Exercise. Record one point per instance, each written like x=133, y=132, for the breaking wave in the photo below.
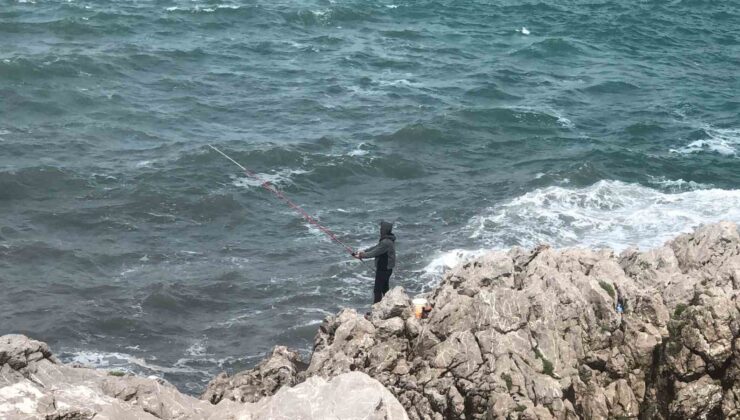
x=606, y=214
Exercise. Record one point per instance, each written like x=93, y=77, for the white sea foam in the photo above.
x=608, y=213
x=197, y=349
x=443, y=261
x=399, y=82
x=565, y=122
x=357, y=152
x=524, y=31
x=723, y=141
x=392, y=6
x=116, y=359
x=562, y=119
x=198, y=8
x=278, y=178
x=316, y=232
x=677, y=185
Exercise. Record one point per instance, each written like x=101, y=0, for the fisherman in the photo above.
x=385, y=259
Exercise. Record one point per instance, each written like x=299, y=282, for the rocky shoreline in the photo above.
x=523, y=334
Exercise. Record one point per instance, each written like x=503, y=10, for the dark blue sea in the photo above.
x=127, y=243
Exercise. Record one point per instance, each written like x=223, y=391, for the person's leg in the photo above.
x=378, y=290
x=381, y=284
x=387, y=282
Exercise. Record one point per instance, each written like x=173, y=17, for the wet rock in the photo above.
x=280, y=369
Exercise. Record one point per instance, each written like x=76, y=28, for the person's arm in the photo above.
x=376, y=250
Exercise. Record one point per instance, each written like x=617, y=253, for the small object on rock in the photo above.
x=425, y=311
x=419, y=305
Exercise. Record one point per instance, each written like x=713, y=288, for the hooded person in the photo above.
x=385, y=259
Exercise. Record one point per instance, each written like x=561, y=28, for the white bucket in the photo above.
x=419, y=305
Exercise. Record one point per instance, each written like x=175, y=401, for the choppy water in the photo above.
x=125, y=242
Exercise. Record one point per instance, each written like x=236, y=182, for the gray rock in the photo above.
x=34, y=385
x=351, y=395
x=280, y=369
x=535, y=334
x=395, y=303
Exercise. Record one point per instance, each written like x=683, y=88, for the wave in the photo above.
x=550, y=48
x=522, y=118
x=330, y=16
x=279, y=178
x=606, y=214
x=416, y=133
x=202, y=9
x=490, y=91
x=611, y=87
x=51, y=66
x=445, y=260
x=39, y=182
x=404, y=34
x=724, y=141
x=117, y=360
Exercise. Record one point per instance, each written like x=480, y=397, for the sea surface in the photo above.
x=127, y=243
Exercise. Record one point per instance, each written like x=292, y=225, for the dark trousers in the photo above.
x=382, y=280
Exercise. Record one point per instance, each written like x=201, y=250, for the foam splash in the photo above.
x=198, y=9
x=445, y=261
x=359, y=151
x=197, y=349
x=278, y=178
x=722, y=141
x=116, y=359
x=399, y=82
x=677, y=185
x=606, y=214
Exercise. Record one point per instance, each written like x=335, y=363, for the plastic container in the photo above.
x=419, y=305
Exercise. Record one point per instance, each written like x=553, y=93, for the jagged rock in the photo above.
x=536, y=334
x=395, y=303
x=352, y=395
x=34, y=385
x=699, y=399
x=280, y=369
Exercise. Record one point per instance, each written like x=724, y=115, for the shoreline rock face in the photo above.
x=265, y=379
x=34, y=385
x=523, y=334
x=559, y=334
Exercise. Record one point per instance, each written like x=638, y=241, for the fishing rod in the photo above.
x=269, y=187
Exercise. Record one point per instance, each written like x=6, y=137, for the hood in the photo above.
x=385, y=231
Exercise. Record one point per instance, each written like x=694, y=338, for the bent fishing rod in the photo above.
x=279, y=194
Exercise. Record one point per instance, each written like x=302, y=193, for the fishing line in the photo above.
x=269, y=187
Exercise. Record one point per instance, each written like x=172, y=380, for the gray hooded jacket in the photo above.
x=385, y=251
